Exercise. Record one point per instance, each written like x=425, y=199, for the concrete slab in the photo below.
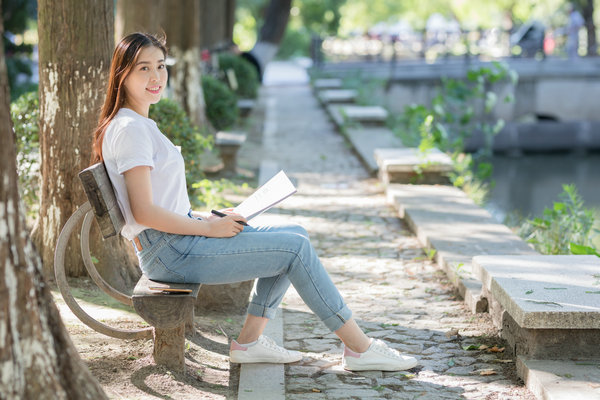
x=330, y=83
x=366, y=140
x=364, y=113
x=264, y=381
x=561, y=379
x=445, y=219
x=409, y=165
x=545, y=291
x=337, y=96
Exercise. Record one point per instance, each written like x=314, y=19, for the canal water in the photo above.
x=527, y=184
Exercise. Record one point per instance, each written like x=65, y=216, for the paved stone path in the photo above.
x=394, y=290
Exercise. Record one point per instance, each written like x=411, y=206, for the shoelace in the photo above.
x=382, y=348
x=270, y=343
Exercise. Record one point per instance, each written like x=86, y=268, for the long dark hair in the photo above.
x=123, y=59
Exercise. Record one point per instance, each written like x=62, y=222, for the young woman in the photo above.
x=175, y=244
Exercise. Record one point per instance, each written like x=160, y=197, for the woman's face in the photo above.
x=146, y=80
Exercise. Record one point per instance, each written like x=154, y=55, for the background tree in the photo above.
x=587, y=12
x=37, y=358
x=217, y=24
x=75, y=44
x=271, y=33
x=138, y=16
x=183, y=25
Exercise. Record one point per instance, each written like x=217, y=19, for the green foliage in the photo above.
x=221, y=103
x=295, y=43
x=25, y=114
x=461, y=107
x=245, y=73
x=210, y=193
x=174, y=123
x=320, y=16
x=565, y=228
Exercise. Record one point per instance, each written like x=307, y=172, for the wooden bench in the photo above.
x=168, y=313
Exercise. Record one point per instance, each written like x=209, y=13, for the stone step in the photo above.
x=446, y=220
x=561, y=379
x=367, y=140
x=364, y=113
x=547, y=306
x=337, y=96
x=330, y=83
x=410, y=165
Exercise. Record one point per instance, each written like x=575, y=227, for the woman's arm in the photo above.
x=145, y=212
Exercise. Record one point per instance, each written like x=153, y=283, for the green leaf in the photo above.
x=529, y=291
x=582, y=250
x=471, y=347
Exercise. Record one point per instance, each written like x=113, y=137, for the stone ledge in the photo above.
x=408, y=165
x=331, y=83
x=446, y=220
x=544, y=292
x=561, y=379
x=337, y=96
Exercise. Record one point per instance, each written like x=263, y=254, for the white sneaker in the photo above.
x=378, y=357
x=265, y=350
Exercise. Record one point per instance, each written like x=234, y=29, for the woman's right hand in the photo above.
x=224, y=227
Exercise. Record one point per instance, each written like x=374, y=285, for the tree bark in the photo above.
x=271, y=34
x=138, y=16
x=37, y=358
x=75, y=43
x=183, y=26
x=588, y=17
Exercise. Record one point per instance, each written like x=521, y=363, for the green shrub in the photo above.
x=174, y=123
x=567, y=227
x=245, y=73
x=25, y=114
x=221, y=103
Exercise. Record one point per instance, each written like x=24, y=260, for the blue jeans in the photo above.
x=276, y=255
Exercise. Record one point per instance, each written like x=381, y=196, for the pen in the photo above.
x=220, y=214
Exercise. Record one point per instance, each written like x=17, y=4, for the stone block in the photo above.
x=366, y=140
x=546, y=306
x=408, y=165
x=445, y=219
x=228, y=144
x=561, y=379
x=365, y=114
x=330, y=83
x=337, y=96
x=246, y=106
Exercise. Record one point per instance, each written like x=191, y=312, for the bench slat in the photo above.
x=99, y=191
x=164, y=310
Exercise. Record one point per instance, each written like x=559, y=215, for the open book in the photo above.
x=276, y=189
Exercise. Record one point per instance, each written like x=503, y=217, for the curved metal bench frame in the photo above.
x=85, y=212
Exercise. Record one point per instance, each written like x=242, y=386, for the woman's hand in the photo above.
x=227, y=226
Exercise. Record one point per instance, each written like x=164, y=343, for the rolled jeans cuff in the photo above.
x=337, y=320
x=261, y=311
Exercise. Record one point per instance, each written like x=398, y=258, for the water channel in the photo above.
x=527, y=184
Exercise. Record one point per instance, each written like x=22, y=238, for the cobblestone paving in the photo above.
x=394, y=290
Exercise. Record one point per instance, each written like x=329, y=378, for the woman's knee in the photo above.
x=298, y=229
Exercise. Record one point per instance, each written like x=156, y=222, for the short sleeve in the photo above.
x=133, y=147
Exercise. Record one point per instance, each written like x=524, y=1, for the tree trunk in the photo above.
x=183, y=26
x=75, y=43
x=271, y=33
x=214, y=24
x=37, y=358
x=588, y=17
x=138, y=16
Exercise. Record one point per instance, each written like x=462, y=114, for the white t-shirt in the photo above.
x=132, y=140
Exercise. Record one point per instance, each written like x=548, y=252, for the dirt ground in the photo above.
x=125, y=368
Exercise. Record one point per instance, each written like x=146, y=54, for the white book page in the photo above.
x=276, y=189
